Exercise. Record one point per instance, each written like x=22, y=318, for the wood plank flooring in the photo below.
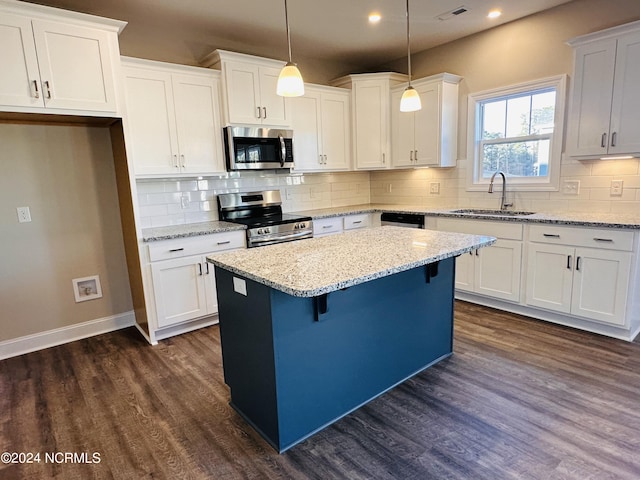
x=519, y=399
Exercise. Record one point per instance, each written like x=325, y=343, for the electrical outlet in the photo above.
x=571, y=187
x=387, y=188
x=434, y=188
x=24, y=214
x=184, y=201
x=288, y=195
x=616, y=188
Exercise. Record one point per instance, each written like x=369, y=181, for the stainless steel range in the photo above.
x=262, y=213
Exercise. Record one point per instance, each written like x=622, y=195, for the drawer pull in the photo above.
x=224, y=243
x=176, y=250
x=327, y=226
x=609, y=240
x=356, y=223
x=551, y=235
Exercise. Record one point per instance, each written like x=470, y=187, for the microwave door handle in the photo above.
x=283, y=150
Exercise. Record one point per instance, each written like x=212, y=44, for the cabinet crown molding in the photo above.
x=604, y=34
x=215, y=59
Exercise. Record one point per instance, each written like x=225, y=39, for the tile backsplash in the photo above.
x=178, y=201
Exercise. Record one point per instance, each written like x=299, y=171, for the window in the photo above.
x=517, y=130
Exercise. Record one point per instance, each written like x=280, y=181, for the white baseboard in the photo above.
x=58, y=336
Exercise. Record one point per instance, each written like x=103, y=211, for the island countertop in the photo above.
x=316, y=266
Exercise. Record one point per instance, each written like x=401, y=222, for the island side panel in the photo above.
x=373, y=336
x=247, y=352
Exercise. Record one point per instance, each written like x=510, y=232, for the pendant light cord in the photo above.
x=286, y=19
x=408, y=43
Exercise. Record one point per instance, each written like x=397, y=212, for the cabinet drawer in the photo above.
x=182, y=247
x=506, y=230
x=324, y=226
x=602, y=238
x=352, y=222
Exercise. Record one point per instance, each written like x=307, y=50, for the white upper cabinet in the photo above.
x=249, y=89
x=321, y=126
x=427, y=137
x=173, y=118
x=370, y=104
x=57, y=62
x=605, y=107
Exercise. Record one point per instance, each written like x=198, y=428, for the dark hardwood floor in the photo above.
x=519, y=399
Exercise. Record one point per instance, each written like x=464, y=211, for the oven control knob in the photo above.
x=302, y=226
x=267, y=230
x=260, y=231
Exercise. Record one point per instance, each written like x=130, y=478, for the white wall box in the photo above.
x=173, y=118
x=605, y=104
x=321, y=121
x=428, y=137
x=494, y=271
x=181, y=287
x=371, y=117
x=56, y=61
x=249, y=89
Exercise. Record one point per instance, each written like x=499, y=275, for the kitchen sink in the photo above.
x=502, y=213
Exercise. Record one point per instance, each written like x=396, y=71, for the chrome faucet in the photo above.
x=503, y=200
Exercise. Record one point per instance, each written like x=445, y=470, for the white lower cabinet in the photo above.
x=586, y=282
x=183, y=283
x=493, y=271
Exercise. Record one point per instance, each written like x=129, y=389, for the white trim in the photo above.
x=58, y=336
x=519, y=184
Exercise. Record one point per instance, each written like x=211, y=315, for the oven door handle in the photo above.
x=271, y=238
x=283, y=150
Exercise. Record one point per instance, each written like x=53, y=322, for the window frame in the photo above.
x=475, y=182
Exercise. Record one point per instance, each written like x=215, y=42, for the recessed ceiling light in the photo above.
x=494, y=14
x=374, y=17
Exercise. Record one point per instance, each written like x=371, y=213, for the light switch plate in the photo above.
x=434, y=188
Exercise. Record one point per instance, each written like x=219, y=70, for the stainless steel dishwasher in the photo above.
x=407, y=220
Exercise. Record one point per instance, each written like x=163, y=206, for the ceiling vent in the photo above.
x=452, y=13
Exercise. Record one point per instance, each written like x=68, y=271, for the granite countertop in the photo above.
x=312, y=267
x=188, y=230
x=582, y=219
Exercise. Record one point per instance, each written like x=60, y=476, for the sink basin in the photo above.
x=501, y=213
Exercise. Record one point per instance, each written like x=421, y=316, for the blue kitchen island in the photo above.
x=313, y=329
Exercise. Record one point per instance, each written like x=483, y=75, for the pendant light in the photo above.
x=410, y=101
x=290, y=83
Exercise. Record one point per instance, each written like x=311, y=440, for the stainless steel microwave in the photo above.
x=256, y=148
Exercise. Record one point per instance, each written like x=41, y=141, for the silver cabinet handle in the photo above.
x=578, y=264
x=603, y=141
x=550, y=235
x=357, y=222
x=175, y=161
x=182, y=161
x=614, y=137
x=325, y=159
x=320, y=159
x=36, y=92
x=415, y=155
x=227, y=242
x=200, y=269
x=383, y=158
x=47, y=88
x=568, y=262
x=608, y=240
x=176, y=249
x=259, y=112
x=264, y=109
x=411, y=155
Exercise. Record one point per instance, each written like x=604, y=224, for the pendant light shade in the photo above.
x=290, y=83
x=410, y=101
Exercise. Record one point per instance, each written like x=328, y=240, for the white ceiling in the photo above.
x=326, y=30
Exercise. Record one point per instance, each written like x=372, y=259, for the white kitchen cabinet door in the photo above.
x=498, y=269
x=550, y=277
x=275, y=108
x=197, y=112
x=336, y=145
x=371, y=124
x=75, y=66
x=403, y=133
x=210, y=287
x=426, y=130
x=625, y=109
x=243, y=93
x=179, y=290
x=600, y=285
x=151, y=121
x=20, y=78
x=306, y=123
x=465, y=271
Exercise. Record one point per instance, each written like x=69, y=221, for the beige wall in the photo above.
x=527, y=49
x=66, y=176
